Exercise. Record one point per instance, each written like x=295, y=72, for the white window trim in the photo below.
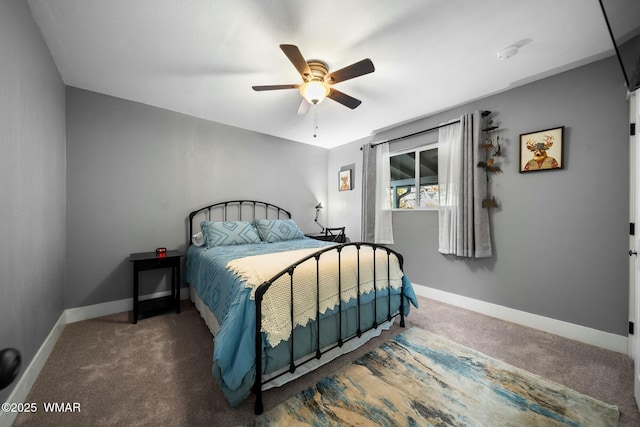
x=417, y=150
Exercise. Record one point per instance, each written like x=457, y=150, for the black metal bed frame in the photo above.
x=263, y=288
x=290, y=270
x=223, y=207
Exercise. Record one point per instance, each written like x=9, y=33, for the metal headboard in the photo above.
x=235, y=210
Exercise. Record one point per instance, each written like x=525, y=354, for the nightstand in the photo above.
x=143, y=261
x=330, y=234
x=317, y=236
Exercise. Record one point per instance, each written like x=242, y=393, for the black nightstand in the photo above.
x=319, y=236
x=330, y=234
x=150, y=261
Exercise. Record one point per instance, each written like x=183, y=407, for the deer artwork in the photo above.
x=344, y=183
x=540, y=158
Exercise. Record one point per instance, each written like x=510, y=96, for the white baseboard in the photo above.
x=112, y=307
x=31, y=372
x=564, y=329
x=70, y=315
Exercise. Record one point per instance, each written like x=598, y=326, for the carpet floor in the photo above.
x=157, y=372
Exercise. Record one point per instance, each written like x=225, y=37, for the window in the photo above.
x=413, y=169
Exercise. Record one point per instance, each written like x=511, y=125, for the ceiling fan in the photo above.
x=317, y=79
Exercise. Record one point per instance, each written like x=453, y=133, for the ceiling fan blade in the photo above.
x=303, y=108
x=275, y=87
x=343, y=98
x=298, y=61
x=360, y=68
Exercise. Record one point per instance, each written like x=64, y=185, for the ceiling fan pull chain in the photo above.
x=315, y=121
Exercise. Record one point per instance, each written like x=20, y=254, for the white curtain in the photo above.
x=384, y=226
x=376, y=205
x=463, y=222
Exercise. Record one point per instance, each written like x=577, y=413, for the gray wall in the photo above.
x=344, y=207
x=32, y=186
x=135, y=172
x=560, y=237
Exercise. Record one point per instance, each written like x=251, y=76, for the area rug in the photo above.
x=421, y=379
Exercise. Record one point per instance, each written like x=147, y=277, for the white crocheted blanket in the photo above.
x=276, y=316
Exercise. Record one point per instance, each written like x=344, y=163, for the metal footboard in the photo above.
x=290, y=271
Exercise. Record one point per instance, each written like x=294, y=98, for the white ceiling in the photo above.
x=201, y=57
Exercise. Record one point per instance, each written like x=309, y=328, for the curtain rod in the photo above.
x=373, y=144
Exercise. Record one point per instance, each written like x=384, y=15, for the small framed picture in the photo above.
x=344, y=182
x=542, y=150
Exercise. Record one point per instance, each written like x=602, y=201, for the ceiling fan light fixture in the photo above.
x=314, y=91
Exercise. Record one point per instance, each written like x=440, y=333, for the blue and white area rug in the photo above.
x=421, y=379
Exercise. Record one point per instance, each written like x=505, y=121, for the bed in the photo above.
x=280, y=304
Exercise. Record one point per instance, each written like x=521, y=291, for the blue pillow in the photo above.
x=278, y=230
x=228, y=233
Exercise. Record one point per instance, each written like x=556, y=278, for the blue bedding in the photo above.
x=229, y=300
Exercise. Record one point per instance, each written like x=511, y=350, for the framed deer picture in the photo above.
x=345, y=180
x=542, y=150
